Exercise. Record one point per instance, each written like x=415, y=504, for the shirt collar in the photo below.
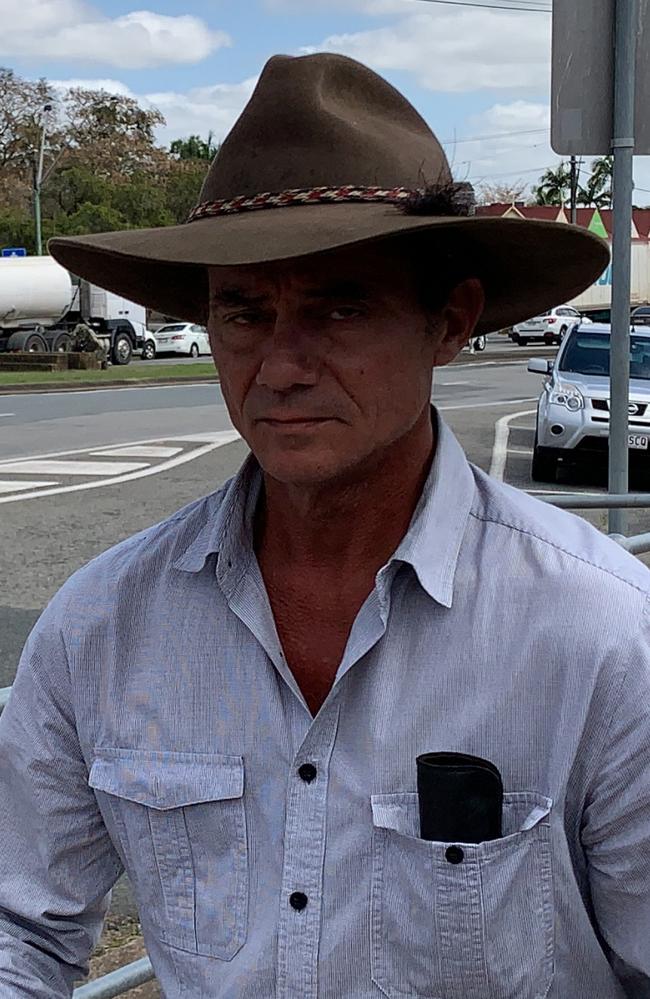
x=431, y=545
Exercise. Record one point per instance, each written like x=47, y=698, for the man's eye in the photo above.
x=344, y=312
x=243, y=318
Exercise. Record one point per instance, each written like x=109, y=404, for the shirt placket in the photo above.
x=304, y=852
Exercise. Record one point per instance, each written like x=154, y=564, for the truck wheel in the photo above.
x=63, y=343
x=122, y=349
x=544, y=467
x=194, y=350
x=35, y=344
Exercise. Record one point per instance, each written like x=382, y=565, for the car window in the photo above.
x=588, y=354
x=197, y=329
x=174, y=328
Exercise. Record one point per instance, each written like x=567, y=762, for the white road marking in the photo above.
x=454, y=383
x=484, y=405
x=7, y=414
x=12, y=487
x=520, y=450
x=500, y=448
x=138, y=451
x=224, y=437
x=214, y=436
x=104, y=468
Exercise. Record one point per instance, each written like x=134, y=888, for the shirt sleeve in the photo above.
x=616, y=825
x=57, y=863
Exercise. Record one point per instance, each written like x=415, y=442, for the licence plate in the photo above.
x=637, y=441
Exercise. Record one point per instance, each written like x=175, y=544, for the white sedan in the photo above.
x=182, y=338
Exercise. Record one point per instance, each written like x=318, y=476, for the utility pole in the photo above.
x=38, y=181
x=625, y=40
x=574, y=190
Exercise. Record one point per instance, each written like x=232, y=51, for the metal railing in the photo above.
x=138, y=972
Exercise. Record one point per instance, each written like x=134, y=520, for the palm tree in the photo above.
x=597, y=192
x=554, y=186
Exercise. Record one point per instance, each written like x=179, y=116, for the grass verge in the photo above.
x=122, y=373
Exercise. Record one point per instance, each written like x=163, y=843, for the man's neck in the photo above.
x=353, y=526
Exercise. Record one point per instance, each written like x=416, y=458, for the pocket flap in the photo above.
x=167, y=780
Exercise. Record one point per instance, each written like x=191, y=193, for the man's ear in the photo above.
x=458, y=319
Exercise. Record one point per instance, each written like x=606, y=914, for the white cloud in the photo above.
x=198, y=111
x=73, y=30
x=201, y=110
x=375, y=7
x=456, y=50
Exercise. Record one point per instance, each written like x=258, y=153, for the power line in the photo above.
x=496, y=135
x=517, y=5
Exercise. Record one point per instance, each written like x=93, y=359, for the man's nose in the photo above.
x=290, y=358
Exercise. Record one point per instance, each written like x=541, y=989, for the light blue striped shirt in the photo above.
x=155, y=727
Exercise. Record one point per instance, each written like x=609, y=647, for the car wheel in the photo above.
x=148, y=351
x=194, y=350
x=522, y=341
x=544, y=466
x=480, y=343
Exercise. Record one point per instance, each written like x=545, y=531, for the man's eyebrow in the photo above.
x=338, y=289
x=234, y=297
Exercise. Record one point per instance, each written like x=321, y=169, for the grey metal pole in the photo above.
x=574, y=190
x=625, y=35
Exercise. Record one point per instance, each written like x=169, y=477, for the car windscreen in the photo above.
x=171, y=329
x=588, y=354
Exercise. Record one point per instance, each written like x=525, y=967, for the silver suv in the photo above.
x=573, y=408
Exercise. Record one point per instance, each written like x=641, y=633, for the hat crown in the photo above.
x=324, y=120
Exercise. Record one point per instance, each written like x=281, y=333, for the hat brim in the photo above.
x=526, y=266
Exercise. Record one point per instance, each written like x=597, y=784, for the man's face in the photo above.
x=325, y=361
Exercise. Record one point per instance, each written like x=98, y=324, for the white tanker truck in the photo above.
x=41, y=303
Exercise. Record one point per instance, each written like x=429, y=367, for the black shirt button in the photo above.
x=298, y=900
x=454, y=854
x=307, y=771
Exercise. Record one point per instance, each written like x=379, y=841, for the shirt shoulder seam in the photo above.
x=560, y=548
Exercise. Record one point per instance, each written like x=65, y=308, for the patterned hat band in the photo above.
x=442, y=199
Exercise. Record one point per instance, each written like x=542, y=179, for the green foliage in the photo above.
x=554, y=186
x=103, y=169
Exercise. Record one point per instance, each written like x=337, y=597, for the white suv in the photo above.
x=573, y=408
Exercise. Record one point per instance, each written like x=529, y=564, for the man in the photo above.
x=230, y=705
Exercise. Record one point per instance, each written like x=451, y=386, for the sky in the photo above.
x=480, y=76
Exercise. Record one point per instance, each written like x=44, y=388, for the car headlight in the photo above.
x=569, y=396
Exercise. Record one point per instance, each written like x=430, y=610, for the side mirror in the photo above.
x=540, y=366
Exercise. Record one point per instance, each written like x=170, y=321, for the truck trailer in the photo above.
x=41, y=303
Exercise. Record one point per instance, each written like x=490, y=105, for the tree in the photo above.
x=195, y=148
x=111, y=134
x=554, y=186
x=500, y=194
x=597, y=192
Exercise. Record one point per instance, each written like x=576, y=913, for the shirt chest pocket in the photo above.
x=180, y=822
x=462, y=921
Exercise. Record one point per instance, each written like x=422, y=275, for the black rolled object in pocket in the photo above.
x=460, y=798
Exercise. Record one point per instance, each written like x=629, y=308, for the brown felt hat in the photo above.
x=328, y=154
